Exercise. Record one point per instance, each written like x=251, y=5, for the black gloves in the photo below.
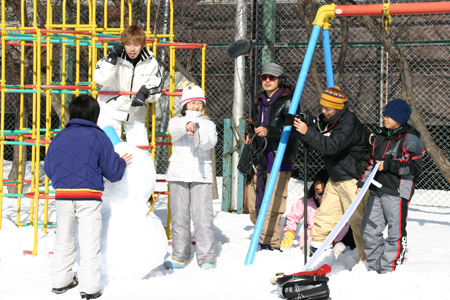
x=115, y=52
x=141, y=95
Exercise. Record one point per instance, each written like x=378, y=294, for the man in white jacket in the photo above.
x=129, y=66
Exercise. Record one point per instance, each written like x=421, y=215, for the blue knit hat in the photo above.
x=398, y=110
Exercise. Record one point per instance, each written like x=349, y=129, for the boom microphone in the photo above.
x=238, y=48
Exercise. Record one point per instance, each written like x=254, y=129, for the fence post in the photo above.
x=241, y=177
x=226, y=179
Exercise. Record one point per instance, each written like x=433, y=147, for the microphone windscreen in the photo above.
x=238, y=48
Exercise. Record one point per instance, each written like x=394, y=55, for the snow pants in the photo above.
x=383, y=255
x=194, y=198
x=87, y=214
x=336, y=199
x=136, y=132
x=271, y=230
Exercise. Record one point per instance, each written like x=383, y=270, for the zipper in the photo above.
x=132, y=79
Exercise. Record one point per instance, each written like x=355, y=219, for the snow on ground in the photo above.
x=425, y=275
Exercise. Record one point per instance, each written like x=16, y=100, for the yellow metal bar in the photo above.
x=130, y=13
x=21, y=120
x=34, y=17
x=33, y=128
x=149, y=5
x=323, y=16
x=49, y=13
x=122, y=14
x=203, y=65
x=2, y=113
x=77, y=62
x=171, y=22
x=38, y=140
x=48, y=112
x=105, y=14
x=78, y=12
x=63, y=77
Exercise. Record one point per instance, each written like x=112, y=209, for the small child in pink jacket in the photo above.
x=296, y=214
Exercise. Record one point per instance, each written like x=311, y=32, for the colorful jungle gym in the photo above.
x=87, y=35
x=322, y=24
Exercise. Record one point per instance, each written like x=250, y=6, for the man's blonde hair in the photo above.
x=133, y=33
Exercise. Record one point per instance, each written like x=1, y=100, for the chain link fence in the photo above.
x=424, y=39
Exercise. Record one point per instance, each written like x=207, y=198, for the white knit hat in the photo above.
x=192, y=92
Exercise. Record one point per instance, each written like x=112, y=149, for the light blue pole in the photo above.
x=327, y=55
x=226, y=178
x=282, y=145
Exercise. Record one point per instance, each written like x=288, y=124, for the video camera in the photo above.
x=304, y=116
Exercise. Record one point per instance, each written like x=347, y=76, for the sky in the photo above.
x=424, y=275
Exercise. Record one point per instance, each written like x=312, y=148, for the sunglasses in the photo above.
x=271, y=77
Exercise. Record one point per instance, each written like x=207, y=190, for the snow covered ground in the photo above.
x=425, y=275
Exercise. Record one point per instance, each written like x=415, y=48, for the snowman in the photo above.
x=133, y=241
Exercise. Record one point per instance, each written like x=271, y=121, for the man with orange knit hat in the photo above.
x=339, y=136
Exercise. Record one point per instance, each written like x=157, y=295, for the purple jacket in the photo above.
x=80, y=156
x=295, y=215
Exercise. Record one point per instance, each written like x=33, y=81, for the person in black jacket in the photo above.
x=400, y=150
x=340, y=137
x=272, y=105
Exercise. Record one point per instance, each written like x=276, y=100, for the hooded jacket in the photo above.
x=402, y=151
x=340, y=139
x=124, y=77
x=277, y=113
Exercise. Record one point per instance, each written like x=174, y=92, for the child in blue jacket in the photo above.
x=77, y=160
x=399, y=149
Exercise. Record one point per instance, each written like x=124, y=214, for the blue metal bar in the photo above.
x=226, y=177
x=241, y=177
x=282, y=145
x=327, y=55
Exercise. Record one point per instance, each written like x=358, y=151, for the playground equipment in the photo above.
x=64, y=35
x=322, y=23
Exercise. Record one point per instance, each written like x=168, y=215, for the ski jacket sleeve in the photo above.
x=48, y=164
x=177, y=128
x=338, y=140
x=154, y=81
x=410, y=162
x=105, y=72
x=208, y=135
x=111, y=164
x=366, y=172
x=294, y=216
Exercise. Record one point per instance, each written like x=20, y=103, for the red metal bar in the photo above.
x=162, y=193
x=394, y=9
x=45, y=31
x=43, y=141
x=31, y=196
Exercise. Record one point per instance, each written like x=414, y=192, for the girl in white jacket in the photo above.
x=190, y=181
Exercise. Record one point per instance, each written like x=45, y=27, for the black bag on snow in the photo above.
x=304, y=287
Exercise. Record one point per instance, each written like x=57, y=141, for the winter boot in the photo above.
x=91, y=296
x=207, y=266
x=174, y=264
x=267, y=247
x=71, y=285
